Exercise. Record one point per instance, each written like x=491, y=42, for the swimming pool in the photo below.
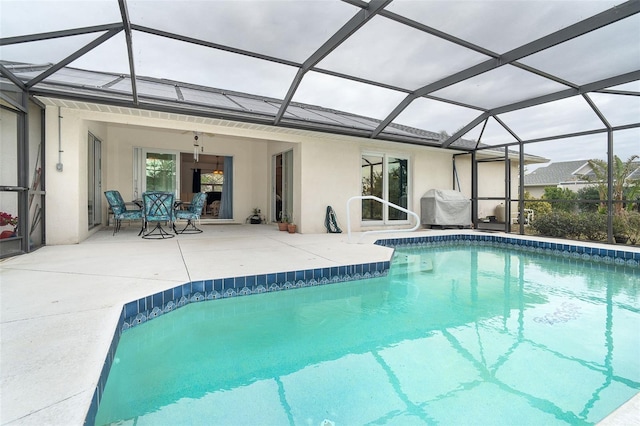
x=454, y=332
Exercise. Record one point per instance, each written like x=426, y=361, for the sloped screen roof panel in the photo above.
x=392, y=53
x=600, y=54
x=267, y=27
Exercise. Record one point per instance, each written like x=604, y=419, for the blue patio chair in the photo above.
x=158, y=207
x=193, y=213
x=120, y=212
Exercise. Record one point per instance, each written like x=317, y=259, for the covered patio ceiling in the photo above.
x=496, y=73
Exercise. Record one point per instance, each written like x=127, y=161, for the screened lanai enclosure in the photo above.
x=510, y=84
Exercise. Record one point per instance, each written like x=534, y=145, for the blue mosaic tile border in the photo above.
x=150, y=307
x=592, y=254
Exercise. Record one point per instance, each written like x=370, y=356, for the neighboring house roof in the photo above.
x=555, y=173
x=568, y=172
x=81, y=84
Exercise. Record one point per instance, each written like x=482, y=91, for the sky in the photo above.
x=382, y=50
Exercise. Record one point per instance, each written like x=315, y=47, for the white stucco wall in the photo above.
x=330, y=173
x=63, y=187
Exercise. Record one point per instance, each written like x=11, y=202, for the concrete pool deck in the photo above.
x=60, y=304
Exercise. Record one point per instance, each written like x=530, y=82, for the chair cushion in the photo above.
x=130, y=215
x=186, y=215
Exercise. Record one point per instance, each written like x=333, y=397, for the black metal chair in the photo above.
x=158, y=207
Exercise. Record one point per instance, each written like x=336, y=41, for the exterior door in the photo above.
x=94, y=179
x=282, y=186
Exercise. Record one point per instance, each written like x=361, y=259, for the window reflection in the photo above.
x=161, y=172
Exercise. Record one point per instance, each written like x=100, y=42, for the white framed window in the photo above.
x=155, y=170
x=385, y=176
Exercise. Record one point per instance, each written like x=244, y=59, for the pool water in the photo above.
x=453, y=335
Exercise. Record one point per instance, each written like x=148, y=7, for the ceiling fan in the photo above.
x=198, y=133
x=196, y=145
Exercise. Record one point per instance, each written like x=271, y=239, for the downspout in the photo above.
x=456, y=178
x=60, y=151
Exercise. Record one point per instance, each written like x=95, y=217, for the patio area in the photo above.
x=60, y=304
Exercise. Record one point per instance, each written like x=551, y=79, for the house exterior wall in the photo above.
x=331, y=174
x=326, y=168
x=536, y=191
x=63, y=197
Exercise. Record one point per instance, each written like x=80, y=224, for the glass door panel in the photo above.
x=283, y=186
x=372, y=184
x=161, y=170
x=398, y=185
x=94, y=173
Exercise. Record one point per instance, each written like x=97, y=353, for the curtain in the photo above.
x=195, y=186
x=226, y=203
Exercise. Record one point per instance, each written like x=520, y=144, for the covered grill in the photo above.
x=445, y=207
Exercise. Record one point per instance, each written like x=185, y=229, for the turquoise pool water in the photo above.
x=453, y=335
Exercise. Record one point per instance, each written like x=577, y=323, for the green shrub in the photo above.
x=593, y=226
x=621, y=224
x=561, y=198
x=559, y=224
x=634, y=227
x=540, y=208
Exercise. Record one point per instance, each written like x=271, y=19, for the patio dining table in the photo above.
x=162, y=233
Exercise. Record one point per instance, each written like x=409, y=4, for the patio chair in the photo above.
x=120, y=212
x=193, y=213
x=158, y=207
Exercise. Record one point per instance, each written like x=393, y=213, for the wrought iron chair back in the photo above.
x=193, y=213
x=115, y=202
x=158, y=207
x=120, y=212
x=197, y=204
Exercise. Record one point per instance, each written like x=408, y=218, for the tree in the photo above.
x=588, y=193
x=621, y=172
x=564, y=198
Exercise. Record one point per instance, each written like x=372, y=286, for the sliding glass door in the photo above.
x=386, y=177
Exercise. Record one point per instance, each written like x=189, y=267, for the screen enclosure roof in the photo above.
x=455, y=74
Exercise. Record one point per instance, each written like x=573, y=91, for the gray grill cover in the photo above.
x=445, y=207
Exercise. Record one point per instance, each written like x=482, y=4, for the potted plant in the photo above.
x=634, y=227
x=255, y=218
x=291, y=227
x=621, y=227
x=284, y=221
x=7, y=219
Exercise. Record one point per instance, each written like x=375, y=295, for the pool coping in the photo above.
x=139, y=311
